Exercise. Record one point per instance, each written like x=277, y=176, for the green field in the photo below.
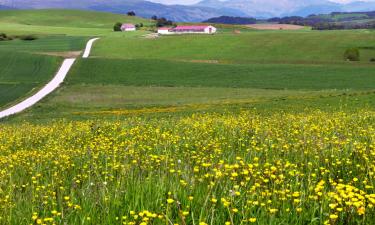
x=257, y=46
x=138, y=73
x=26, y=66
x=68, y=22
x=20, y=73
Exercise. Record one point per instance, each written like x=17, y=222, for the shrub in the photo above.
x=117, y=26
x=28, y=37
x=131, y=13
x=372, y=60
x=4, y=37
x=352, y=54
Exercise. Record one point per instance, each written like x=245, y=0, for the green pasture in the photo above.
x=67, y=18
x=21, y=73
x=256, y=46
x=165, y=73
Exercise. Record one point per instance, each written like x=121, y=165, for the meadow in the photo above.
x=246, y=168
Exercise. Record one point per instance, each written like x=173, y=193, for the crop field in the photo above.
x=26, y=66
x=20, y=73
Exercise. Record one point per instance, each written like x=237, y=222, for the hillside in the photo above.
x=271, y=8
x=66, y=18
x=335, y=20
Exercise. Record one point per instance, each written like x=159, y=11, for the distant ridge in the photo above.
x=231, y=20
x=201, y=11
x=3, y=7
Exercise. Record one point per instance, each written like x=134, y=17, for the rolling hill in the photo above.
x=67, y=18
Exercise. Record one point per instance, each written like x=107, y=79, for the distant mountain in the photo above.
x=272, y=8
x=231, y=20
x=142, y=8
x=3, y=7
x=263, y=8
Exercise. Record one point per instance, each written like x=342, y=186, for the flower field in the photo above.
x=246, y=168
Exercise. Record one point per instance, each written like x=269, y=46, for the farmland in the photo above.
x=27, y=65
x=249, y=127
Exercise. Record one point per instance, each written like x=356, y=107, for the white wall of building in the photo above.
x=129, y=29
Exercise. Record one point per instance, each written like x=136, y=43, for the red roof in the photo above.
x=127, y=25
x=194, y=27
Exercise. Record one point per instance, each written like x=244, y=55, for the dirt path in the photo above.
x=86, y=54
x=48, y=88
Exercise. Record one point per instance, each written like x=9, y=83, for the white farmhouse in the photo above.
x=194, y=29
x=128, y=27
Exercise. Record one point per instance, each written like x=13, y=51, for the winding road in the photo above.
x=48, y=88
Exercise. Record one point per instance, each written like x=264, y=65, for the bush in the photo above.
x=28, y=38
x=4, y=37
x=131, y=13
x=352, y=54
x=117, y=26
x=372, y=60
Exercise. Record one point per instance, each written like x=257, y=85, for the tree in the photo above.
x=352, y=54
x=161, y=22
x=154, y=18
x=117, y=26
x=131, y=13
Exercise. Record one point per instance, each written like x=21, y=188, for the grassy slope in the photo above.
x=66, y=18
x=58, y=21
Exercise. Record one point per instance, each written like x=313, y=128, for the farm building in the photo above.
x=128, y=27
x=195, y=29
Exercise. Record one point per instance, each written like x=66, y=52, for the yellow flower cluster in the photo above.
x=245, y=168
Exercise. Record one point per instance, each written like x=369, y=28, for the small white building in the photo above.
x=194, y=29
x=164, y=30
x=128, y=27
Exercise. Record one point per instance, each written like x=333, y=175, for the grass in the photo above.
x=20, y=73
x=257, y=46
x=67, y=18
x=24, y=68
x=190, y=71
x=63, y=22
x=49, y=43
x=266, y=76
x=202, y=169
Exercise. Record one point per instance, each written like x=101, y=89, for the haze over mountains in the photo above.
x=200, y=11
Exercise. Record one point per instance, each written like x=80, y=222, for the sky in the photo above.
x=189, y=2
